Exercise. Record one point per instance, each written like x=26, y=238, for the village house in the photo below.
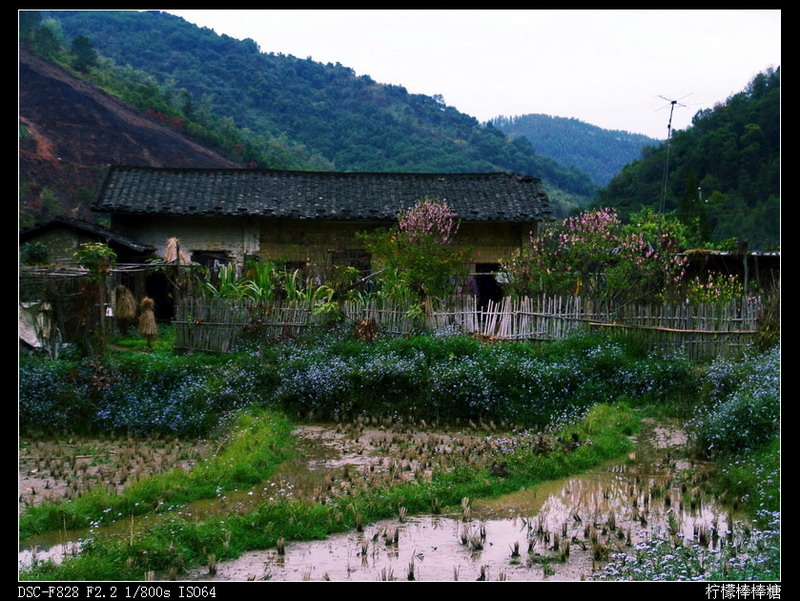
x=309, y=220
x=63, y=236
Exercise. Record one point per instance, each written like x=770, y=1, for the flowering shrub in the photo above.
x=429, y=220
x=743, y=411
x=145, y=406
x=714, y=288
x=659, y=379
x=138, y=393
x=533, y=390
x=53, y=395
x=424, y=377
x=722, y=377
x=611, y=369
x=183, y=396
x=399, y=380
x=462, y=388
x=595, y=255
x=458, y=377
x=318, y=386
x=418, y=256
x=754, y=479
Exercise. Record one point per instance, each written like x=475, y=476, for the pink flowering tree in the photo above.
x=595, y=256
x=419, y=258
x=430, y=220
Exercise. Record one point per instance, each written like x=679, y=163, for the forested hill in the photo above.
x=353, y=122
x=724, y=170
x=598, y=152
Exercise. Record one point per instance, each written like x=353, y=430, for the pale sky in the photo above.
x=609, y=68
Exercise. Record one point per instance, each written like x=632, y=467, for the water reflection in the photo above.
x=560, y=530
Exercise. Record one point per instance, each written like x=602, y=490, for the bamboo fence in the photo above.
x=701, y=331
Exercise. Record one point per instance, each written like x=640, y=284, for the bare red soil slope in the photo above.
x=70, y=130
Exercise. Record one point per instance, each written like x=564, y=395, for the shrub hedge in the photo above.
x=425, y=377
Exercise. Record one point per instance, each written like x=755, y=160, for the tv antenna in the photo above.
x=671, y=105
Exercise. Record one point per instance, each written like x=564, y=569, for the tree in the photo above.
x=595, y=256
x=732, y=151
x=34, y=253
x=98, y=259
x=83, y=54
x=29, y=20
x=47, y=37
x=418, y=255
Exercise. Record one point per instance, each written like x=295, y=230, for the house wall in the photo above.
x=237, y=236
x=493, y=242
x=319, y=245
x=316, y=244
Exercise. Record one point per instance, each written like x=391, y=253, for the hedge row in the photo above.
x=424, y=377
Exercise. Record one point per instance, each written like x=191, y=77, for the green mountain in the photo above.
x=721, y=175
x=79, y=112
x=351, y=122
x=598, y=152
x=225, y=97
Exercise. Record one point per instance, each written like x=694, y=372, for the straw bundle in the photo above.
x=124, y=303
x=147, y=321
x=125, y=307
x=174, y=253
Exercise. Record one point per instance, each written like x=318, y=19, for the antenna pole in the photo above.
x=663, y=204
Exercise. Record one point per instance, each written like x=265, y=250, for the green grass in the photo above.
x=753, y=478
x=131, y=341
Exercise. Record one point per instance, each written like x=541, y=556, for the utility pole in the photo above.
x=672, y=104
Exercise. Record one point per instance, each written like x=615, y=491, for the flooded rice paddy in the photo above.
x=559, y=530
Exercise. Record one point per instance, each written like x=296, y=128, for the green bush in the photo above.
x=460, y=377
x=186, y=396
x=54, y=395
x=331, y=375
x=742, y=412
x=140, y=393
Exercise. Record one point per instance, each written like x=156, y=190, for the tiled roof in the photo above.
x=90, y=229
x=318, y=195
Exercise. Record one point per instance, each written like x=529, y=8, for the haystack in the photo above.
x=147, y=321
x=174, y=253
x=124, y=303
x=124, y=307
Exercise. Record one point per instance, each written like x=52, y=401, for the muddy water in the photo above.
x=323, y=454
x=561, y=530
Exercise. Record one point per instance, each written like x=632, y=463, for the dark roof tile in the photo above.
x=90, y=229
x=318, y=195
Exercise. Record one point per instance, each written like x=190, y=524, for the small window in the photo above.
x=211, y=259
